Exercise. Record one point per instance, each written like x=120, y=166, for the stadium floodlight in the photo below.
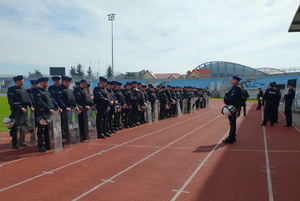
x=111, y=17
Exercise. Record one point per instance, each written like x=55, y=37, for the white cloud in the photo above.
x=164, y=36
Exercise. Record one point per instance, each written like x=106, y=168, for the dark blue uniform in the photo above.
x=101, y=101
x=83, y=99
x=43, y=103
x=259, y=96
x=233, y=97
x=288, y=98
x=270, y=102
x=18, y=98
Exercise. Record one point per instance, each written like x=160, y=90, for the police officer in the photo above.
x=56, y=83
x=233, y=97
x=111, y=109
x=102, y=103
x=288, y=99
x=278, y=97
x=245, y=95
x=32, y=119
x=269, y=101
x=44, y=107
x=260, y=96
x=66, y=101
x=83, y=99
x=122, y=104
x=128, y=108
x=19, y=100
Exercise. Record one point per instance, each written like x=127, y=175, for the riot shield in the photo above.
x=179, y=113
x=184, y=106
x=92, y=125
x=22, y=123
x=193, y=108
x=149, y=113
x=31, y=128
x=55, y=133
x=156, y=112
x=73, y=127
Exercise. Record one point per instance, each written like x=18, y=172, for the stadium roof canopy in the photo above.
x=295, y=25
x=271, y=70
x=226, y=69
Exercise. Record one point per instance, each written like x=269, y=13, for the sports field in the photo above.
x=180, y=158
x=4, y=112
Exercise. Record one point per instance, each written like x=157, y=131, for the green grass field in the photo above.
x=4, y=112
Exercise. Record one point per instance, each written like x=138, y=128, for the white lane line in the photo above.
x=292, y=124
x=268, y=171
x=205, y=160
x=137, y=163
x=197, y=170
x=20, y=159
x=100, y=152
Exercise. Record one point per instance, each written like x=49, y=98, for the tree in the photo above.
x=109, y=72
x=35, y=74
x=73, y=71
x=89, y=73
x=79, y=71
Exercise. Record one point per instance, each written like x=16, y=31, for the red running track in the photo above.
x=181, y=158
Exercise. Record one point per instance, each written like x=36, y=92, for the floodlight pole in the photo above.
x=111, y=17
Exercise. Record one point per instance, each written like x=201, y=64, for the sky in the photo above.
x=165, y=36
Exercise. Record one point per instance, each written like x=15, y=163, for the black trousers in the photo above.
x=65, y=126
x=20, y=121
x=288, y=115
x=269, y=114
x=101, y=122
x=232, y=123
x=259, y=104
x=83, y=124
x=43, y=136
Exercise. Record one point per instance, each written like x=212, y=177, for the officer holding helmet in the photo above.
x=233, y=97
x=19, y=100
x=45, y=107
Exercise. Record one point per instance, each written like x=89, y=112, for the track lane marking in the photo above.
x=268, y=171
x=100, y=152
x=142, y=160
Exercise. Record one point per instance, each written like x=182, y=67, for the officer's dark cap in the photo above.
x=139, y=83
x=151, y=87
x=66, y=78
x=163, y=87
x=55, y=78
x=144, y=86
x=128, y=83
x=18, y=77
x=77, y=83
x=272, y=84
x=158, y=86
x=292, y=83
x=119, y=84
x=83, y=81
x=34, y=82
x=43, y=79
x=173, y=87
x=109, y=83
x=259, y=88
x=88, y=85
x=102, y=79
x=134, y=82
x=114, y=82
x=236, y=78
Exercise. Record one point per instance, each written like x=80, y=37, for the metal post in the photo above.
x=111, y=17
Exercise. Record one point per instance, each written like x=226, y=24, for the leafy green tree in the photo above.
x=73, y=72
x=35, y=74
x=89, y=73
x=79, y=71
x=109, y=72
